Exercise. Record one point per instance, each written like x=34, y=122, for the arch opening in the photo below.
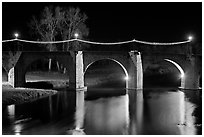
x=177, y=66
x=124, y=69
x=106, y=74
x=37, y=75
x=163, y=73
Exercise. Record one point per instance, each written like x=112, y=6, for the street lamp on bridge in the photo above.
x=16, y=35
x=190, y=38
x=76, y=35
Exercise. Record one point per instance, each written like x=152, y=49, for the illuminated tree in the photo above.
x=72, y=22
x=46, y=27
x=59, y=22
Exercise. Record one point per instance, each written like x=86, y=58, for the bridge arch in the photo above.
x=182, y=76
x=27, y=58
x=36, y=59
x=177, y=66
x=115, y=61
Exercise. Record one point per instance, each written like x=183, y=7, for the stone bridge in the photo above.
x=133, y=62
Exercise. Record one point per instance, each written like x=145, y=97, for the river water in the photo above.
x=107, y=112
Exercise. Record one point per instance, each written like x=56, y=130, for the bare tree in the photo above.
x=46, y=27
x=73, y=22
x=59, y=22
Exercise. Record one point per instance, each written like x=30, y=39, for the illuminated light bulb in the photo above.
x=190, y=38
x=182, y=75
x=126, y=78
x=76, y=35
x=16, y=35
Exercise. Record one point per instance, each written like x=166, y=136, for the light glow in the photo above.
x=76, y=35
x=182, y=75
x=18, y=129
x=190, y=38
x=126, y=78
x=16, y=35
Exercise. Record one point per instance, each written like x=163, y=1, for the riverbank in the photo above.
x=39, y=84
x=15, y=96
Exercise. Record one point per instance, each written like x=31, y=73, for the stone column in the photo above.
x=79, y=70
x=139, y=72
x=135, y=71
x=11, y=77
x=79, y=85
x=135, y=86
x=191, y=77
x=72, y=70
x=16, y=75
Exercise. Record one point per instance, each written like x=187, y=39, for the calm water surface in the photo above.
x=106, y=112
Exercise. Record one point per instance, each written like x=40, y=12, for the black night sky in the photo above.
x=116, y=21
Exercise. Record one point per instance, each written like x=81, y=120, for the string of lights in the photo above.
x=9, y=40
x=39, y=42
x=102, y=43
x=158, y=43
x=97, y=43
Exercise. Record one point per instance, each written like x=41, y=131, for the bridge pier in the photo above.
x=191, y=77
x=79, y=70
x=135, y=71
x=16, y=75
x=190, y=80
x=11, y=77
x=135, y=82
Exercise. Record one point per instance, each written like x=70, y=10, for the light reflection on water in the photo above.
x=107, y=115
x=165, y=112
x=160, y=112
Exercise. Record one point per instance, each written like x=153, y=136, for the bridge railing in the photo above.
x=84, y=45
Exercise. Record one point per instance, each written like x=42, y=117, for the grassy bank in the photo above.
x=22, y=95
x=36, y=87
